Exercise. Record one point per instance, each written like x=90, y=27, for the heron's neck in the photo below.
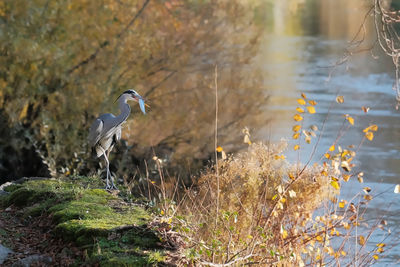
x=125, y=110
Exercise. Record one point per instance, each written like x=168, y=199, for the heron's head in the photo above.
x=133, y=95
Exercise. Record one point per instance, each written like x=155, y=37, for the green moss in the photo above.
x=89, y=217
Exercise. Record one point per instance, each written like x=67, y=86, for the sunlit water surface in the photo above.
x=300, y=63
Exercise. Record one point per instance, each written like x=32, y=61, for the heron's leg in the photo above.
x=107, y=167
x=113, y=186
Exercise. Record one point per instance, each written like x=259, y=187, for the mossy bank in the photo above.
x=113, y=229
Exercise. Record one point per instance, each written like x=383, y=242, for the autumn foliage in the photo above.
x=64, y=62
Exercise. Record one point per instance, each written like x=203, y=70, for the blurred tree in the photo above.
x=62, y=63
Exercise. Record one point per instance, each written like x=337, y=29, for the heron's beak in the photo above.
x=142, y=105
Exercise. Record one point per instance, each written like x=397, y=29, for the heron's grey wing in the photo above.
x=95, y=132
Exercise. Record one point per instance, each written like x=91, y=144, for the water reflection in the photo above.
x=295, y=59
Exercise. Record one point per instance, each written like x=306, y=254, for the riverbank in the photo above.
x=73, y=222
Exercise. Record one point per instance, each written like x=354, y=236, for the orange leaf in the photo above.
x=296, y=147
x=365, y=109
x=361, y=240
x=303, y=95
x=219, y=149
x=312, y=102
x=332, y=148
x=296, y=136
x=300, y=110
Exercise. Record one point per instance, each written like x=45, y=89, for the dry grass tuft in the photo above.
x=265, y=209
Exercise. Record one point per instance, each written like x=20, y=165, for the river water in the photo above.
x=298, y=55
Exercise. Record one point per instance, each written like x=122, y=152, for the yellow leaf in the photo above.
x=291, y=176
x=346, y=177
x=307, y=139
x=24, y=112
x=223, y=155
x=360, y=179
x=340, y=99
x=219, y=149
x=332, y=148
x=296, y=136
x=296, y=128
x=283, y=200
x=361, y=240
x=368, y=197
x=342, y=204
x=312, y=102
x=369, y=135
x=324, y=173
x=319, y=238
x=335, y=185
x=374, y=127
x=381, y=245
x=275, y=196
x=397, y=189
x=376, y=257
x=250, y=236
x=246, y=139
x=380, y=250
x=350, y=119
x=297, y=117
x=284, y=234
x=311, y=109
x=296, y=147
x=343, y=253
x=301, y=101
x=303, y=95
x=162, y=212
x=327, y=155
x=300, y=110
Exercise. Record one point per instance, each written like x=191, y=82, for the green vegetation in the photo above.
x=115, y=232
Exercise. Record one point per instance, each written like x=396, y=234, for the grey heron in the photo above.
x=106, y=129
